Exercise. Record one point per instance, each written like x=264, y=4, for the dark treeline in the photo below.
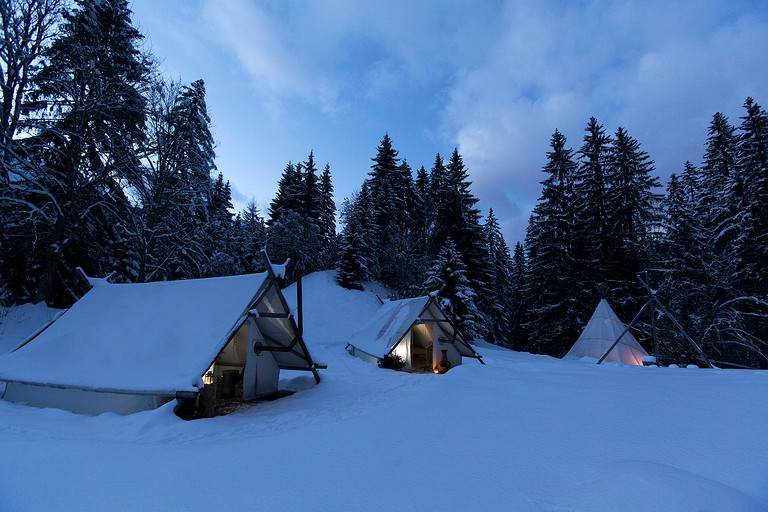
x=105, y=164
x=425, y=234
x=704, y=245
x=110, y=166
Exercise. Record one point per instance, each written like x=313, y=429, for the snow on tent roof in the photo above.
x=389, y=325
x=149, y=337
x=600, y=333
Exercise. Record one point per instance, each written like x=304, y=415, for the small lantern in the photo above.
x=208, y=378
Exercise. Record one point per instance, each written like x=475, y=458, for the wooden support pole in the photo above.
x=626, y=330
x=300, y=306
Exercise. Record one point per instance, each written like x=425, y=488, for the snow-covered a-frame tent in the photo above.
x=128, y=347
x=600, y=333
x=416, y=330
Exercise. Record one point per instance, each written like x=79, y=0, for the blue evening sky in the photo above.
x=491, y=78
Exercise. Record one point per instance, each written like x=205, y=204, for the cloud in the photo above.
x=493, y=78
x=659, y=70
x=264, y=49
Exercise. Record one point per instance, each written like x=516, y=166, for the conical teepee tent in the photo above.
x=601, y=332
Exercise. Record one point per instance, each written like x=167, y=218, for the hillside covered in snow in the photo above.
x=522, y=432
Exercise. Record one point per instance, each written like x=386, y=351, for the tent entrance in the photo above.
x=241, y=371
x=422, y=348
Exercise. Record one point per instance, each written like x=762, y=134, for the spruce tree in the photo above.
x=458, y=218
x=87, y=115
x=591, y=233
x=355, y=254
x=683, y=251
x=193, y=145
x=252, y=238
x=749, y=304
x=286, y=199
x=327, y=220
x=553, y=312
x=448, y=278
x=633, y=216
x=496, y=300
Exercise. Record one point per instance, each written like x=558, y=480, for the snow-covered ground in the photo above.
x=522, y=433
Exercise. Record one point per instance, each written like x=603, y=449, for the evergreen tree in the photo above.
x=355, y=254
x=286, y=198
x=682, y=255
x=591, y=233
x=394, y=257
x=252, y=237
x=553, y=311
x=496, y=300
x=421, y=216
x=633, y=216
x=327, y=220
x=193, y=149
x=457, y=217
x=518, y=287
x=310, y=205
x=88, y=114
x=748, y=306
x=292, y=238
x=448, y=277
x=221, y=253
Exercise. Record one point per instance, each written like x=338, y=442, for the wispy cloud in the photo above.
x=494, y=78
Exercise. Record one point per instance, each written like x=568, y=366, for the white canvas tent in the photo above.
x=602, y=331
x=129, y=347
x=416, y=330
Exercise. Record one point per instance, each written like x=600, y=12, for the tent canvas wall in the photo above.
x=602, y=330
x=129, y=347
x=416, y=330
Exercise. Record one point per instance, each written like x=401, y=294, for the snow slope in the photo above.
x=17, y=323
x=523, y=433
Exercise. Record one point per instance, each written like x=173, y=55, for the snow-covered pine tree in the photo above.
x=252, y=238
x=457, y=216
x=421, y=216
x=221, y=253
x=683, y=249
x=591, y=234
x=286, y=198
x=292, y=237
x=352, y=267
x=552, y=310
x=327, y=214
x=633, y=216
x=355, y=255
x=448, y=276
x=749, y=305
x=86, y=115
x=518, y=286
x=193, y=161
x=497, y=294
x=720, y=197
x=310, y=206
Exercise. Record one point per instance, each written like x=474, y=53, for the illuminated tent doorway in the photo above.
x=415, y=330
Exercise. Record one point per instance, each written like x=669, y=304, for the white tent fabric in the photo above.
x=601, y=332
x=392, y=327
x=379, y=336
x=145, y=338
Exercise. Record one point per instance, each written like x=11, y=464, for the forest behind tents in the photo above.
x=108, y=165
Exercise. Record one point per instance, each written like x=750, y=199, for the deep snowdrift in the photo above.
x=521, y=433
